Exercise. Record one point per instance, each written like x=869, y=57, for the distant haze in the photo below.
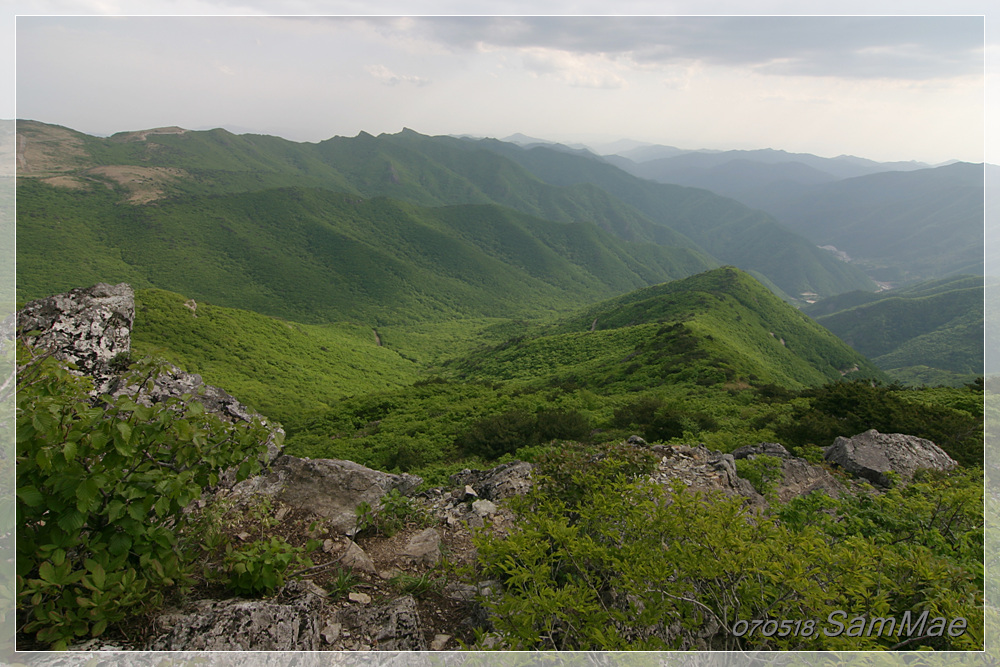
x=884, y=88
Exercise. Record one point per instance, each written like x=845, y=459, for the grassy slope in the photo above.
x=715, y=327
x=280, y=368
x=315, y=255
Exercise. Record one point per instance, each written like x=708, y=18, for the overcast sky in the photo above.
x=885, y=88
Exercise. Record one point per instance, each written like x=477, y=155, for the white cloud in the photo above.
x=386, y=76
x=574, y=69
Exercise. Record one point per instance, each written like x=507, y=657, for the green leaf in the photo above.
x=119, y=543
x=30, y=496
x=115, y=510
x=72, y=521
x=48, y=573
x=99, y=439
x=97, y=572
x=122, y=441
x=69, y=451
x=86, y=495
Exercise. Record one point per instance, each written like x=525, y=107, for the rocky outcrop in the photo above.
x=504, y=481
x=871, y=455
x=765, y=448
x=329, y=488
x=246, y=625
x=92, y=329
x=701, y=469
x=390, y=626
x=798, y=476
x=89, y=328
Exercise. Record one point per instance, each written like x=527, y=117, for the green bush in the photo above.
x=762, y=471
x=391, y=514
x=259, y=568
x=633, y=565
x=496, y=435
x=100, y=488
x=848, y=408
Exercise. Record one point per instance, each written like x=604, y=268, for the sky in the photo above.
x=881, y=87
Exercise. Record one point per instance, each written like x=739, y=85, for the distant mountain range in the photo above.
x=170, y=175
x=899, y=221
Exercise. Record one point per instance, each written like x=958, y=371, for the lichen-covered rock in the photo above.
x=244, y=625
x=871, y=455
x=328, y=487
x=87, y=327
x=799, y=478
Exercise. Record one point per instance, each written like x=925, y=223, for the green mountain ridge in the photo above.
x=930, y=332
x=158, y=167
x=313, y=255
x=717, y=327
x=902, y=227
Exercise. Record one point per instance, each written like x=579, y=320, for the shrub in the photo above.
x=100, y=488
x=259, y=567
x=633, y=565
x=762, y=471
x=496, y=435
x=393, y=512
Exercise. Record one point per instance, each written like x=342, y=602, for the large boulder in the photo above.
x=871, y=455
x=800, y=478
x=329, y=488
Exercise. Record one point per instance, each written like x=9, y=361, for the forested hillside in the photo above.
x=171, y=180
x=928, y=333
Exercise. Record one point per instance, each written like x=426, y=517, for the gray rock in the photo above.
x=331, y=632
x=484, y=508
x=355, y=558
x=636, y=441
x=870, y=455
x=799, y=478
x=85, y=327
x=243, y=625
x=504, y=481
x=768, y=448
x=703, y=470
x=328, y=487
x=392, y=626
x=424, y=547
